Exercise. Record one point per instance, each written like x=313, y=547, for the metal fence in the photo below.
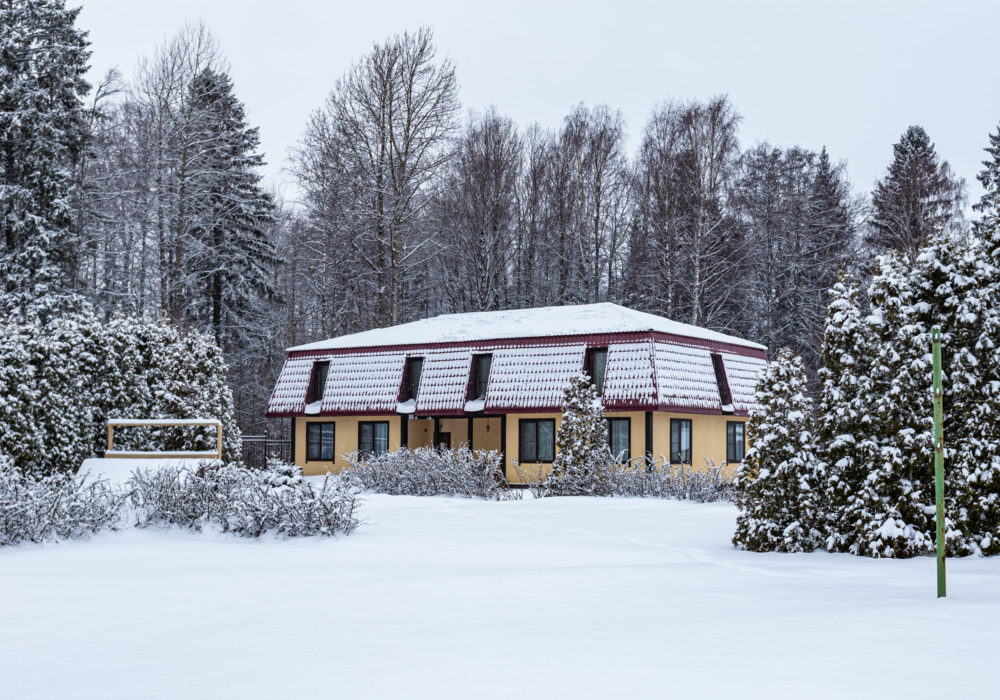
x=257, y=448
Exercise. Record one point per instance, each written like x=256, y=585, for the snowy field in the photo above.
x=449, y=598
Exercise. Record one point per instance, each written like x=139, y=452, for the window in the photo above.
x=597, y=362
x=480, y=376
x=680, y=441
x=411, y=380
x=735, y=441
x=317, y=381
x=619, y=438
x=319, y=442
x=722, y=382
x=373, y=437
x=537, y=441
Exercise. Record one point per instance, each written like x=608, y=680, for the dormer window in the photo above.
x=596, y=363
x=411, y=380
x=317, y=382
x=480, y=377
x=720, y=379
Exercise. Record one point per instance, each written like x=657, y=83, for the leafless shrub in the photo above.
x=37, y=508
x=243, y=502
x=658, y=479
x=425, y=471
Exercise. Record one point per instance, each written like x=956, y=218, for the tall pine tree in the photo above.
x=232, y=255
x=989, y=204
x=43, y=59
x=917, y=199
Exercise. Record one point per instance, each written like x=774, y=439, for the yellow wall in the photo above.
x=345, y=436
x=483, y=439
x=420, y=432
x=708, y=438
x=459, y=429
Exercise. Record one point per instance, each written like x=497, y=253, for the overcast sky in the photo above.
x=848, y=75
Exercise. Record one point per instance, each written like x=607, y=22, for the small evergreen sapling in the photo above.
x=582, y=440
x=779, y=483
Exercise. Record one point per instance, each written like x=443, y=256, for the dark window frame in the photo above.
x=535, y=422
x=721, y=381
x=409, y=390
x=316, y=386
x=311, y=456
x=676, y=456
x=731, y=441
x=628, y=439
x=589, y=367
x=374, y=424
x=476, y=381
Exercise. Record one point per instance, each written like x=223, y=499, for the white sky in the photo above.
x=848, y=75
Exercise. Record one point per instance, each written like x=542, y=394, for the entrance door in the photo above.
x=444, y=441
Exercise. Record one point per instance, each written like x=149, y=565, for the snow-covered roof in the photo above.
x=582, y=319
x=644, y=371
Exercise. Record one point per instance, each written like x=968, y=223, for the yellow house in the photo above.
x=494, y=381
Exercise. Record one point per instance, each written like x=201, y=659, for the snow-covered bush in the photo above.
x=779, y=485
x=608, y=477
x=61, y=380
x=426, y=471
x=280, y=473
x=37, y=508
x=237, y=500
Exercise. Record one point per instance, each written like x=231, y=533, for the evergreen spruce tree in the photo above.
x=989, y=204
x=831, y=225
x=917, y=199
x=779, y=485
x=582, y=441
x=43, y=59
x=233, y=257
x=844, y=427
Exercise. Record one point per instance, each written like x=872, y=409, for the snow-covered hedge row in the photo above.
x=243, y=502
x=425, y=471
x=39, y=508
x=604, y=476
x=60, y=381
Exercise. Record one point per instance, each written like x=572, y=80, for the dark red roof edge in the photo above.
x=592, y=339
x=494, y=411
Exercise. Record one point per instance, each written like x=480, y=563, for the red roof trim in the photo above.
x=591, y=340
x=613, y=408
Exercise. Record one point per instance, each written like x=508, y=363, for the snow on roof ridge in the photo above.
x=538, y=322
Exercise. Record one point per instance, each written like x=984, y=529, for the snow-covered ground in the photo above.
x=449, y=598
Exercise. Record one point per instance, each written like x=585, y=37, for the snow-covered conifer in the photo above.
x=918, y=198
x=232, y=259
x=582, y=440
x=844, y=426
x=890, y=512
x=988, y=206
x=779, y=486
x=43, y=59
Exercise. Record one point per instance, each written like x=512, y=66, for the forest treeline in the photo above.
x=151, y=204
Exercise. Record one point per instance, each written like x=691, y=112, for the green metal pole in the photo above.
x=939, y=458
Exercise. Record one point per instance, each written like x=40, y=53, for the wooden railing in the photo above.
x=164, y=423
